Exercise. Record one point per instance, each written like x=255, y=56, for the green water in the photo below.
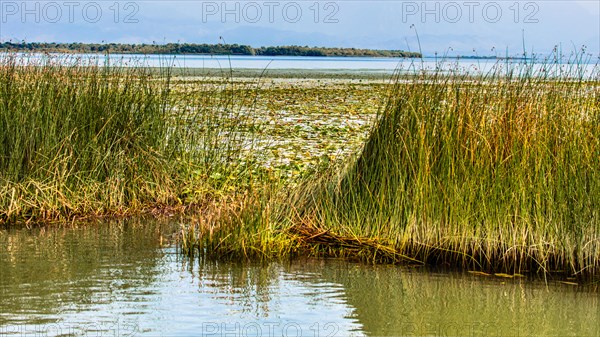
x=119, y=280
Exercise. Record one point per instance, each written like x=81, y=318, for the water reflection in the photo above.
x=391, y=301
x=258, y=300
x=115, y=280
x=54, y=280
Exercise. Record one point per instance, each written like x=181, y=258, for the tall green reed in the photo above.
x=80, y=139
x=496, y=171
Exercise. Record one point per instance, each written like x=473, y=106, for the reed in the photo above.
x=494, y=171
x=497, y=171
x=80, y=139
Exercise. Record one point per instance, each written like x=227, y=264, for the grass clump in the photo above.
x=80, y=139
x=499, y=171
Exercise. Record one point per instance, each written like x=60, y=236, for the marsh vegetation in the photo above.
x=490, y=172
x=495, y=171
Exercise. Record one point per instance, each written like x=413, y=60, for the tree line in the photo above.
x=198, y=49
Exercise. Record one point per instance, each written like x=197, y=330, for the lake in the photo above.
x=124, y=278
x=585, y=67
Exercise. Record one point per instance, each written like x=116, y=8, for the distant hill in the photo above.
x=198, y=49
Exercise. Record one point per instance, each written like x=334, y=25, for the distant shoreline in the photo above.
x=200, y=49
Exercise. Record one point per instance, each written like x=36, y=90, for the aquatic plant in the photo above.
x=497, y=171
x=82, y=139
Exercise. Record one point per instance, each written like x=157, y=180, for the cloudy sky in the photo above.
x=451, y=27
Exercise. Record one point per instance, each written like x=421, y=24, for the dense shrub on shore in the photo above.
x=198, y=49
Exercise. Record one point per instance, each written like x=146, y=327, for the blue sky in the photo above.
x=452, y=27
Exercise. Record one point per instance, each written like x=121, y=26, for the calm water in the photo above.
x=118, y=279
x=587, y=66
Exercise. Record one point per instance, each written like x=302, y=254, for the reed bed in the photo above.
x=81, y=139
x=497, y=171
